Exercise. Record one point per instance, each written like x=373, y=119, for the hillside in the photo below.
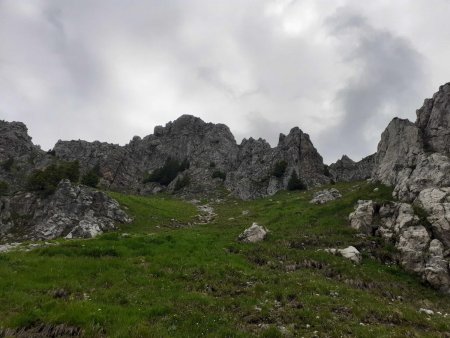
x=171, y=274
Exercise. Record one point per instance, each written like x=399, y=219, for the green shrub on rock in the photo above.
x=3, y=188
x=45, y=181
x=295, y=183
x=219, y=174
x=182, y=182
x=168, y=172
x=279, y=169
x=92, y=177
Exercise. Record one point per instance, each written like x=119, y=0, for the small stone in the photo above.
x=426, y=311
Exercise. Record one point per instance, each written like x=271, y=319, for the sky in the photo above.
x=111, y=69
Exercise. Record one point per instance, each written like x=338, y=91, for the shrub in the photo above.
x=3, y=188
x=219, y=174
x=279, y=169
x=182, y=182
x=326, y=171
x=92, y=177
x=168, y=172
x=295, y=183
x=45, y=181
x=8, y=164
x=212, y=164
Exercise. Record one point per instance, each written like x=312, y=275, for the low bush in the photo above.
x=295, y=183
x=279, y=169
x=45, y=181
x=168, y=172
x=3, y=188
x=182, y=182
x=219, y=174
x=92, y=177
x=8, y=164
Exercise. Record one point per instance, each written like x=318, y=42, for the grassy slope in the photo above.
x=154, y=279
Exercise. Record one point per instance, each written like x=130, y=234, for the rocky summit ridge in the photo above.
x=246, y=170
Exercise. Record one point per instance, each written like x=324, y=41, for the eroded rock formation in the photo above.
x=347, y=170
x=72, y=211
x=209, y=148
x=421, y=249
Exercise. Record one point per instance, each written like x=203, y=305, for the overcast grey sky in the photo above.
x=112, y=69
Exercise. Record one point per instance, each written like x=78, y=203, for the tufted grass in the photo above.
x=156, y=278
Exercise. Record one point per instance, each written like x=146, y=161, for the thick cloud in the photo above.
x=111, y=69
x=388, y=75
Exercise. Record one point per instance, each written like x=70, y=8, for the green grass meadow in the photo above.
x=165, y=276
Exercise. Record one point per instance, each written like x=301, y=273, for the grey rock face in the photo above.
x=414, y=156
x=72, y=212
x=208, y=147
x=346, y=170
x=398, y=151
x=17, y=148
x=325, y=196
x=420, y=250
x=436, y=202
x=433, y=119
x=255, y=233
x=253, y=176
x=362, y=218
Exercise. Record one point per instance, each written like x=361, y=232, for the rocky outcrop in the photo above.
x=414, y=156
x=209, y=148
x=325, y=196
x=253, y=176
x=71, y=212
x=421, y=248
x=414, y=159
x=18, y=155
x=433, y=119
x=347, y=170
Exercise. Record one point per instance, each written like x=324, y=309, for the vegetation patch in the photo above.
x=151, y=280
x=4, y=188
x=219, y=174
x=279, y=169
x=168, y=172
x=45, y=181
x=295, y=182
x=92, y=177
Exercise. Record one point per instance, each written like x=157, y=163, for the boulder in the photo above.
x=325, y=196
x=350, y=253
x=255, y=233
x=362, y=218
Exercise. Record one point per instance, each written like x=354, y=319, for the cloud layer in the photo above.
x=110, y=69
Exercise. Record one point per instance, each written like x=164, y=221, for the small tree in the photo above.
x=92, y=177
x=3, y=188
x=167, y=172
x=45, y=181
x=279, y=169
x=295, y=183
x=182, y=182
x=8, y=164
x=219, y=174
